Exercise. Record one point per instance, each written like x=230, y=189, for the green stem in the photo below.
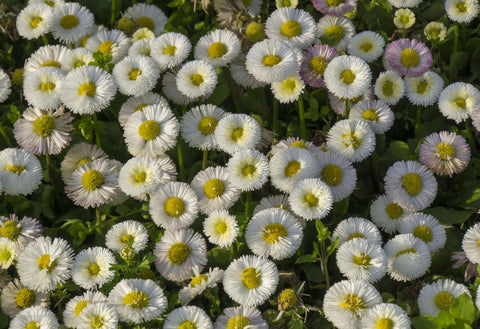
x=404, y=33
x=464, y=34
x=418, y=120
x=45, y=39
x=347, y=108
x=180, y=161
x=99, y=217
x=275, y=116
x=112, y=17
x=5, y=135
x=324, y=261
x=470, y=136
x=235, y=248
x=205, y=159
x=301, y=112
x=97, y=134
x=233, y=91
x=248, y=205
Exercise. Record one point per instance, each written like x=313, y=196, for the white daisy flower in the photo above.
x=197, y=78
x=462, y=11
x=387, y=214
x=239, y=73
x=169, y=83
x=339, y=30
x=8, y=253
x=457, y=101
x=237, y=132
x=20, y=171
x=199, y=283
x=347, y=76
x=470, y=244
x=137, y=300
x=366, y=45
x=221, y=228
x=359, y=259
x=87, y=89
x=188, y=317
x=20, y=231
x=347, y=301
x=411, y=185
x=357, y=227
x=129, y=233
x=98, y=316
x=71, y=21
x=376, y=112
x=425, y=227
x=136, y=75
x=250, y=280
x=16, y=297
x=34, y=20
x=311, y=199
x=435, y=31
x=248, y=170
x=35, y=317
x=288, y=90
x=439, y=295
x=178, y=251
x=51, y=3
x=338, y=105
x=218, y=47
x=405, y=3
x=43, y=87
x=293, y=142
x=385, y=316
x=170, y=50
x=274, y=201
x=389, y=87
x=45, y=263
x=141, y=47
x=149, y=16
x=47, y=56
x=5, y=86
x=271, y=61
x=338, y=173
x=112, y=42
x=408, y=257
x=152, y=131
x=76, y=58
x=425, y=89
x=91, y=268
x=134, y=104
x=404, y=18
x=274, y=233
x=76, y=305
x=78, y=155
x=241, y=317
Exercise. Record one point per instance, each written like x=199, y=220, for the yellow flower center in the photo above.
x=271, y=60
x=80, y=306
x=179, y=253
x=94, y=269
x=362, y=259
x=406, y=251
x=238, y=322
x=44, y=263
x=92, y=179
x=299, y=144
x=248, y=170
x=174, y=206
x=351, y=139
x=82, y=162
x=356, y=235
x=394, y=210
x=50, y=3
x=311, y=199
x=52, y=64
x=370, y=114
x=140, y=107
x=35, y=21
x=347, y=76
x=387, y=88
x=366, y=46
x=33, y=325
x=207, y=125
x=255, y=32
x=291, y=29
x=25, y=298
x=289, y=84
x=246, y=3
x=318, y=64
x=332, y=174
x=287, y=299
x=412, y=183
x=422, y=87
x=106, y=47
x=133, y=75
x=140, y=177
x=97, y=322
x=15, y=169
x=149, y=130
x=84, y=40
x=169, y=50
x=69, y=21
x=461, y=102
x=353, y=302
x=273, y=231
x=87, y=88
x=197, y=79
x=461, y=7
x=237, y=134
x=213, y=188
x=444, y=299
x=147, y=22
x=136, y=299
x=335, y=30
x=11, y=229
x=47, y=86
x=404, y=19
x=334, y=3
x=384, y=323
x=5, y=255
x=445, y=151
x=409, y=57
x=127, y=238
x=423, y=232
x=221, y=227
x=197, y=280
x=251, y=278
x=79, y=63
x=217, y=50
x=187, y=324
x=292, y=168
x=44, y=125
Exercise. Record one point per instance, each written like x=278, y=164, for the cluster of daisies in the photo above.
x=289, y=52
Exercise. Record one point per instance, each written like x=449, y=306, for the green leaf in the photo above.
x=175, y=3
x=400, y=150
x=458, y=63
x=463, y=308
x=423, y=322
x=313, y=272
x=341, y=207
x=309, y=258
x=449, y=216
x=445, y=319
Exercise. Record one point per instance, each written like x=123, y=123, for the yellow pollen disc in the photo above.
x=87, y=88
x=362, y=259
x=43, y=126
x=347, y=76
x=169, y=50
x=423, y=232
x=292, y=168
x=197, y=79
x=445, y=151
x=174, y=207
x=25, y=298
x=82, y=162
x=237, y=134
x=50, y=3
x=79, y=63
x=412, y=183
x=271, y=60
x=444, y=299
x=92, y=179
x=47, y=86
x=255, y=32
x=461, y=7
x=289, y=84
x=291, y=29
x=187, y=324
x=44, y=263
x=33, y=325
x=11, y=229
x=69, y=22
x=147, y=22
x=273, y=231
x=126, y=238
x=133, y=75
x=140, y=107
x=422, y=87
x=5, y=254
x=406, y=251
x=332, y=174
x=461, y=102
x=366, y=46
x=141, y=177
x=35, y=22
x=299, y=144
x=246, y=3
x=384, y=323
x=84, y=40
x=179, y=253
x=311, y=199
x=318, y=64
x=335, y=30
x=94, y=269
x=409, y=57
x=238, y=322
x=394, y=210
x=136, y=299
x=334, y=3
x=353, y=302
x=214, y=188
x=97, y=322
x=197, y=280
x=80, y=306
x=207, y=125
x=248, y=170
x=52, y=64
x=404, y=19
x=287, y=299
x=387, y=88
x=221, y=227
x=370, y=114
x=15, y=169
x=106, y=47
x=251, y=278
x=352, y=139
x=356, y=235
x=149, y=130
x=217, y=50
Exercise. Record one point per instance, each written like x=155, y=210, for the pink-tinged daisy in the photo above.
x=409, y=57
x=316, y=59
x=334, y=7
x=445, y=153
